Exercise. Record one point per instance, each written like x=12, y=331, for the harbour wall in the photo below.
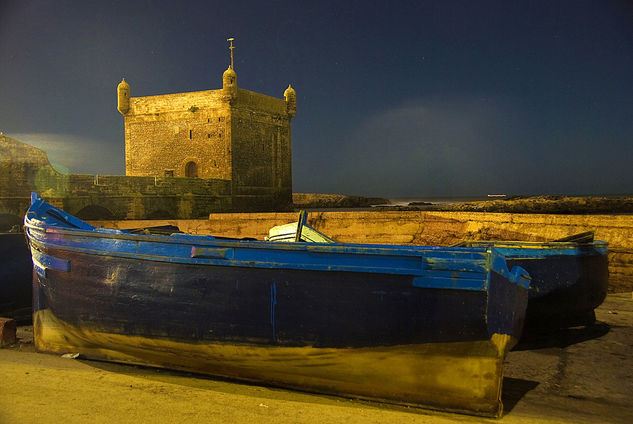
x=428, y=228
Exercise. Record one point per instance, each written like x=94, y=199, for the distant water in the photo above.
x=405, y=201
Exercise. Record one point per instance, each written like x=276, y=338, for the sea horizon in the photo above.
x=445, y=200
x=435, y=200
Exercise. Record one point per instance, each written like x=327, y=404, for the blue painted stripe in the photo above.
x=47, y=261
x=263, y=255
x=273, y=307
x=517, y=275
x=477, y=284
x=41, y=271
x=464, y=275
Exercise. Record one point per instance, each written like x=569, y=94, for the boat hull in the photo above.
x=569, y=280
x=566, y=289
x=458, y=376
x=416, y=326
x=342, y=333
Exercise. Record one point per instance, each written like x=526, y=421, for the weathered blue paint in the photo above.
x=39, y=269
x=46, y=261
x=273, y=304
x=438, y=267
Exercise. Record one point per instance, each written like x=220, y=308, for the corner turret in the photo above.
x=291, y=101
x=229, y=82
x=229, y=77
x=123, y=97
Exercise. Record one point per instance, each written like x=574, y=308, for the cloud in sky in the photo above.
x=77, y=155
x=463, y=146
x=430, y=147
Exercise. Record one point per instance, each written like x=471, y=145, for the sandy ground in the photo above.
x=577, y=376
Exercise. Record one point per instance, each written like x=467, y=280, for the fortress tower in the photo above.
x=230, y=134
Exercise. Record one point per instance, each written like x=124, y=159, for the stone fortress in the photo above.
x=186, y=155
x=231, y=134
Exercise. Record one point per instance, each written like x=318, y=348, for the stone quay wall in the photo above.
x=428, y=228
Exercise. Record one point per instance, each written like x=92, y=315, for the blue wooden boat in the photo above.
x=423, y=326
x=15, y=277
x=570, y=278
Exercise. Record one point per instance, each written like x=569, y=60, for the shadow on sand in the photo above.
x=562, y=338
x=513, y=391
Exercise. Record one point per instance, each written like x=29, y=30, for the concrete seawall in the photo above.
x=429, y=228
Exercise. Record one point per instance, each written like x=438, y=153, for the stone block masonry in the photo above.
x=230, y=133
x=25, y=169
x=165, y=133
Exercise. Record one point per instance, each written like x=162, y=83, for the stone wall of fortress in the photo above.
x=260, y=132
x=431, y=228
x=164, y=133
x=25, y=169
x=229, y=133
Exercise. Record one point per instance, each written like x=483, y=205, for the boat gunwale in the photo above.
x=337, y=247
x=539, y=250
x=537, y=244
x=429, y=268
x=260, y=264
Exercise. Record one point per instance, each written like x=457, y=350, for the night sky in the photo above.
x=395, y=99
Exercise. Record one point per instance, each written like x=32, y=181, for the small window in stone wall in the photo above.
x=190, y=134
x=169, y=172
x=191, y=170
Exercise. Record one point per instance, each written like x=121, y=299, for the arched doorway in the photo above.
x=191, y=170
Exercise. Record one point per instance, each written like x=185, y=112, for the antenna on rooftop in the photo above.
x=231, y=47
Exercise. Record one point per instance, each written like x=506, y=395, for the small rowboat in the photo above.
x=570, y=278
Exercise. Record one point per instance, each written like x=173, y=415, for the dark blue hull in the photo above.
x=566, y=290
x=281, y=307
x=569, y=280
